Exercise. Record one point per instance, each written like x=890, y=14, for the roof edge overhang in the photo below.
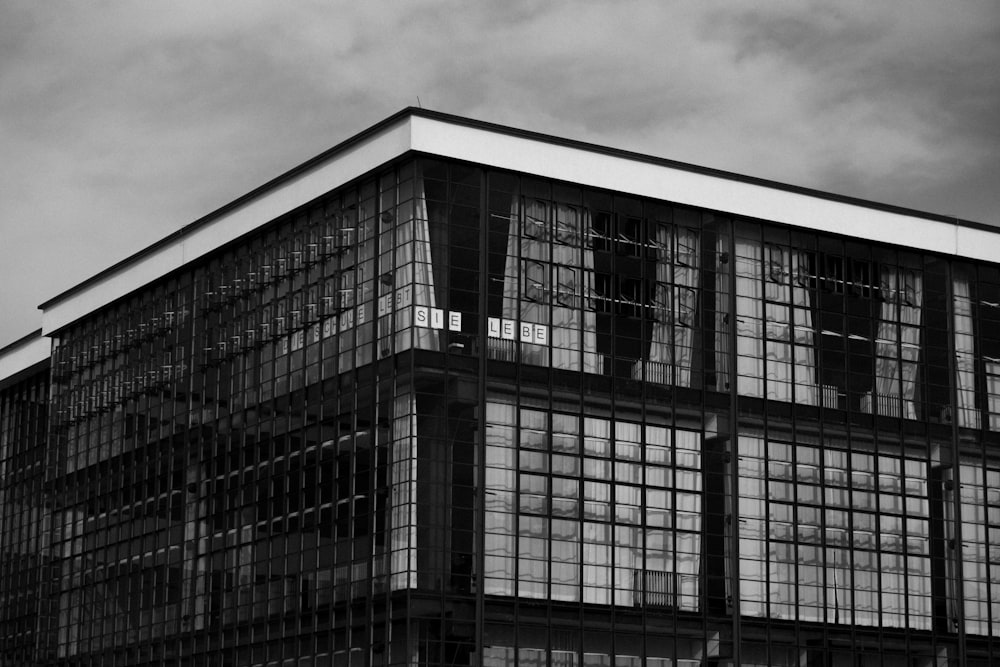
x=733, y=194
x=23, y=357
x=447, y=136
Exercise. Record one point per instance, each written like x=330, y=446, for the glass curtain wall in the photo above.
x=548, y=276
x=775, y=336
x=975, y=316
x=675, y=306
x=235, y=446
x=835, y=534
x=590, y=509
x=815, y=327
x=979, y=514
x=24, y=516
x=582, y=281
x=223, y=458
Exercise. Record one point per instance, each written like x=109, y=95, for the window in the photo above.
x=566, y=544
x=827, y=553
x=346, y=290
x=833, y=275
x=566, y=286
x=629, y=237
x=567, y=225
x=775, y=264
x=536, y=219
x=337, y=235
x=631, y=297
x=602, y=230
x=535, y=282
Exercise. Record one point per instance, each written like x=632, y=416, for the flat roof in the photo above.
x=21, y=357
x=447, y=136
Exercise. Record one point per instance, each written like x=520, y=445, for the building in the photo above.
x=459, y=394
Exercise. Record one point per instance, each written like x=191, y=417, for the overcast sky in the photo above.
x=123, y=121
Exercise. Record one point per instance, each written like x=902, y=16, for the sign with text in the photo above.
x=400, y=299
x=435, y=318
x=526, y=332
x=330, y=326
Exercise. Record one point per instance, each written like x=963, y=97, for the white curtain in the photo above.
x=723, y=317
x=756, y=565
x=597, y=569
x=526, y=279
x=909, y=339
x=547, y=277
x=749, y=319
x=574, y=325
x=992, y=368
x=838, y=586
x=775, y=338
x=898, y=343
x=403, y=494
x=415, y=277
x=777, y=323
x=676, y=302
x=688, y=553
x=628, y=559
x=790, y=355
x=803, y=334
x=965, y=351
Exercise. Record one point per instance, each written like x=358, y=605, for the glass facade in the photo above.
x=25, y=519
x=607, y=512
x=448, y=414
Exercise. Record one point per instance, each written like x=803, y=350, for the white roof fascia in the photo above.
x=729, y=195
x=23, y=355
x=338, y=169
x=523, y=153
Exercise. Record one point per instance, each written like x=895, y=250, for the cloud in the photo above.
x=888, y=99
x=121, y=122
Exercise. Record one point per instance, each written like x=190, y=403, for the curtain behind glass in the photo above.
x=965, y=350
x=403, y=494
x=909, y=340
x=414, y=277
x=749, y=318
x=803, y=333
x=526, y=273
x=574, y=325
x=676, y=301
x=790, y=356
x=424, y=338
x=992, y=368
x=898, y=343
x=723, y=317
x=547, y=277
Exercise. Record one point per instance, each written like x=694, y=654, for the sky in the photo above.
x=121, y=122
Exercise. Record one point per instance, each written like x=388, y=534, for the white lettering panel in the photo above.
x=526, y=332
x=404, y=296
x=384, y=305
x=437, y=318
x=507, y=329
x=347, y=320
x=540, y=334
